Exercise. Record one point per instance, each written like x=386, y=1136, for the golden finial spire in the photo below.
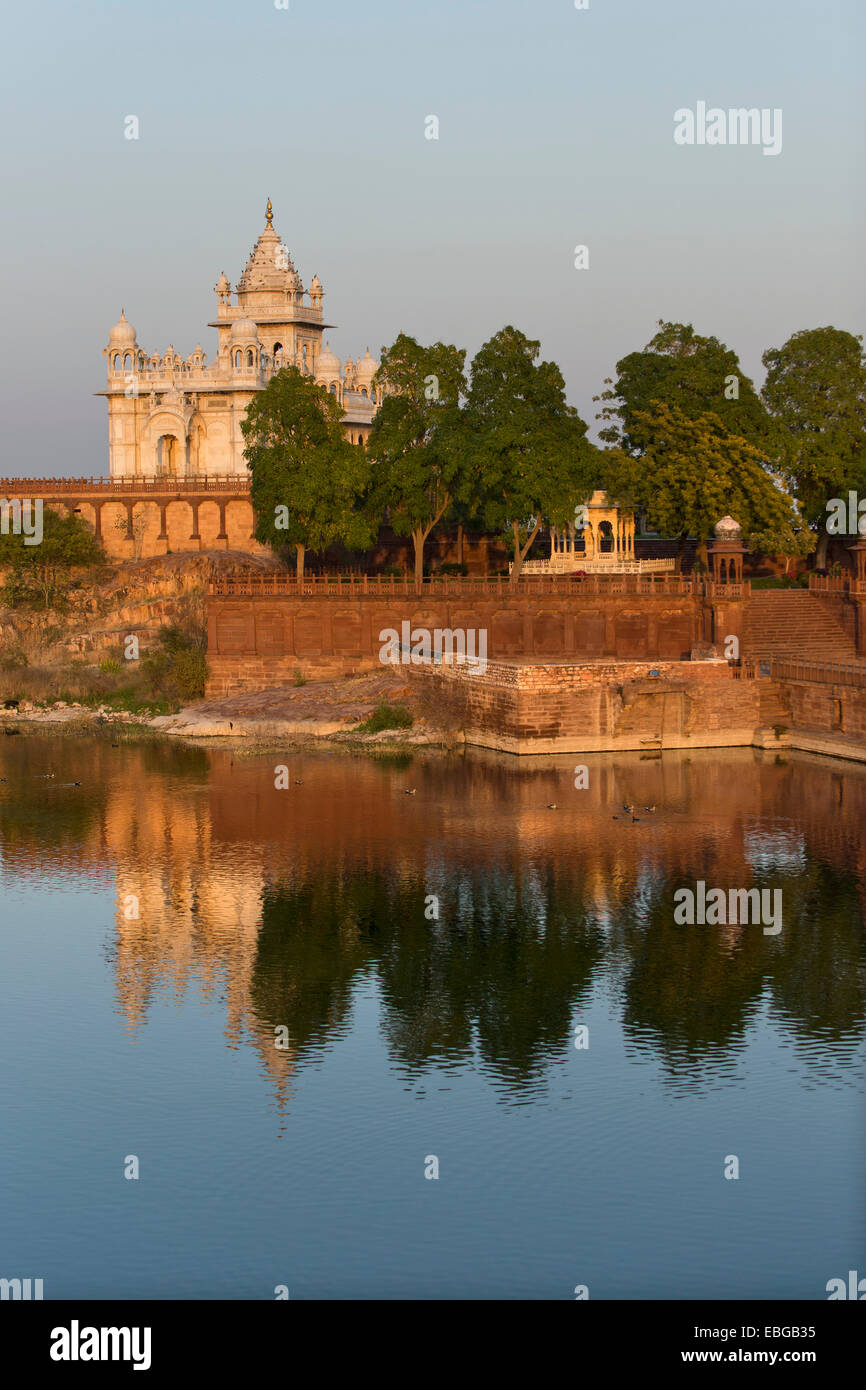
x=270, y=214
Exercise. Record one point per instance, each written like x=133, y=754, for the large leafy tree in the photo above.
x=695, y=375
x=692, y=473
x=308, y=482
x=531, y=462
x=816, y=392
x=417, y=440
x=38, y=574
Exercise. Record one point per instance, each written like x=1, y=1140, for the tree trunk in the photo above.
x=460, y=544
x=518, y=558
x=703, y=555
x=520, y=555
x=301, y=551
x=821, y=552
x=418, y=538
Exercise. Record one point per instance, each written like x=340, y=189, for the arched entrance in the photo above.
x=169, y=457
x=605, y=538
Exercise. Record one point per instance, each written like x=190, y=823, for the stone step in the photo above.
x=785, y=622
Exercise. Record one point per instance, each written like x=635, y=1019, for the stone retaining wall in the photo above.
x=593, y=706
x=255, y=641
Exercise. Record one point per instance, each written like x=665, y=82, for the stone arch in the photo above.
x=159, y=456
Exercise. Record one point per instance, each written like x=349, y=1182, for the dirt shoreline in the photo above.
x=327, y=713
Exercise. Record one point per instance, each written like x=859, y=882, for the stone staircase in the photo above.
x=794, y=623
x=775, y=708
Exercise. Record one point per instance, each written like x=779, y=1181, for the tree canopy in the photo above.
x=37, y=571
x=685, y=371
x=692, y=472
x=417, y=439
x=531, y=462
x=816, y=392
x=307, y=481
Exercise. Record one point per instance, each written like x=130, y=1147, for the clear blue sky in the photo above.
x=556, y=128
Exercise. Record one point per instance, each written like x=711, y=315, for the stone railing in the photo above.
x=830, y=584
x=86, y=487
x=341, y=586
x=837, y=584
x=566, y=562
x=794, y=669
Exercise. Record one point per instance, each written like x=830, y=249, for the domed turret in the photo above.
x=223, y=285
x=122, y=334
x=727, y=529
x=244, y=331
x=366, y=368
x=327, y=365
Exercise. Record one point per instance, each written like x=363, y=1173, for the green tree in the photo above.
x=39, y=573
x=416, y=439
x=793, y=539
x=308, y=482
x=816, y=392
x=691, y=473
x=531, y=462
x=696, y=375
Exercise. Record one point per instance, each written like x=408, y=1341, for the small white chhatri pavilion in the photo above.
x=608, y=545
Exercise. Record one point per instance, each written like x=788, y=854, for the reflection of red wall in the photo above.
x=352, y=810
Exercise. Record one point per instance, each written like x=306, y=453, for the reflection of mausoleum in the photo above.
x=604, y=545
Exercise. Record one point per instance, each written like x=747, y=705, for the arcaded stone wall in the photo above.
x=256, y=641
x=147, y=526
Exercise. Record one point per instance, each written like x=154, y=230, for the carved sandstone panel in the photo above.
x=308, y=634
x=346, y=634
x=506, y=635
x=548, y=634
x=233, y=627
x=674, y=636
x=631, y=635
x=270, y=633
x=589, y=633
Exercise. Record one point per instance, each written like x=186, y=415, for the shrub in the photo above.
x=109, y=666
x=300, y=678
x=179, y=669
x=387, y=716
x=189, y=671
x=13, y=659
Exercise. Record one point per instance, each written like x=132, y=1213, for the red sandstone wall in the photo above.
x=260, y=641
x=813, y=707
x=584, y=706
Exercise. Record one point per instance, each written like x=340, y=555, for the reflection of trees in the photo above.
x=501, y=970
x=691, y=990
x=315, y=937
x=817, y=981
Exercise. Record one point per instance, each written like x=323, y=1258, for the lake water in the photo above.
x=287, y=1036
